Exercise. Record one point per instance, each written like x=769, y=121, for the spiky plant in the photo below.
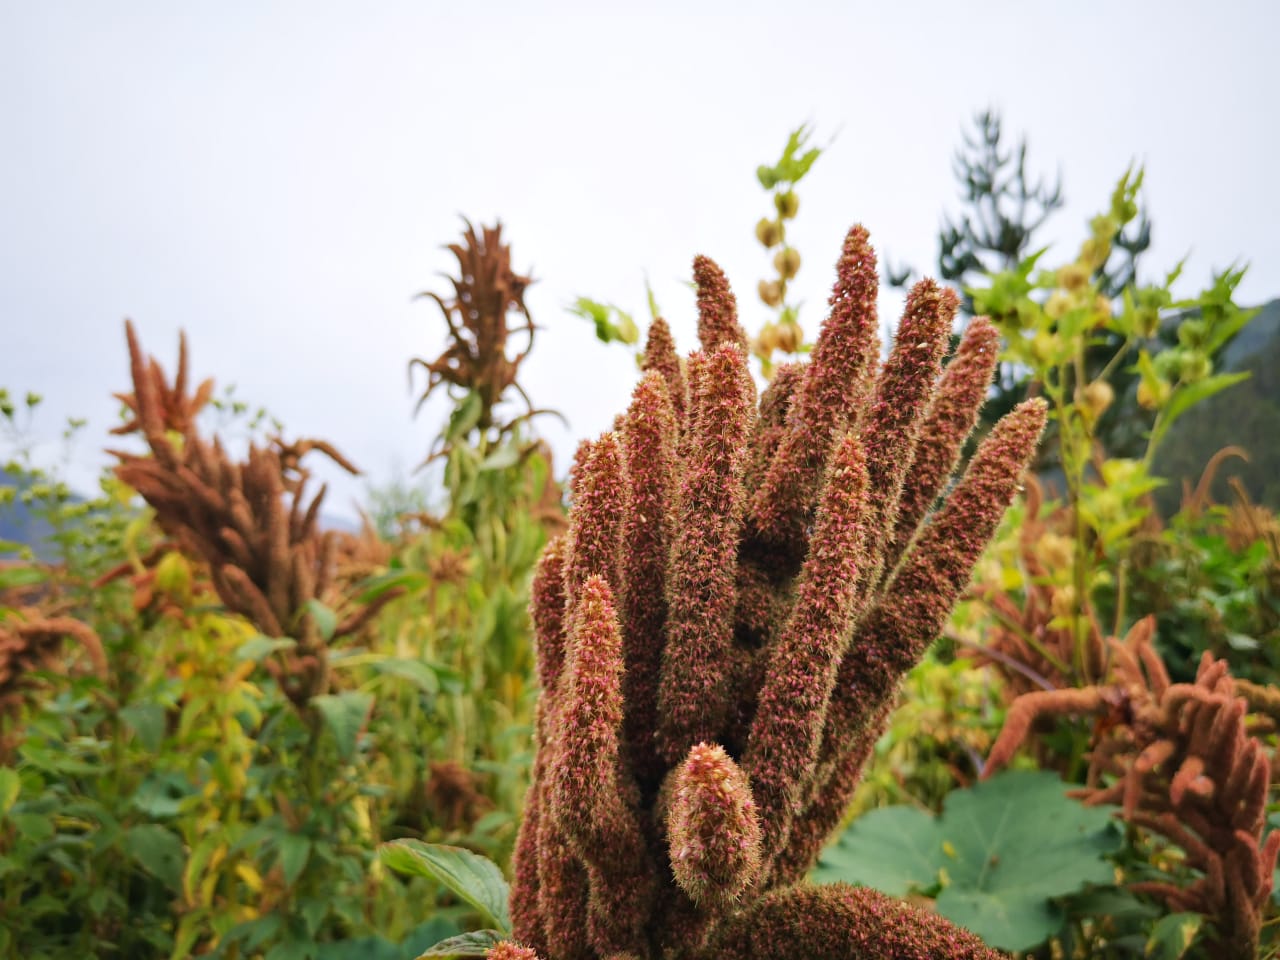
x=721, y=632
x=1180, y=761
x=250, y=521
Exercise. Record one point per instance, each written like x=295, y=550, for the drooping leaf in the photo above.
x=345, y=714
x=474, y=878
x=260, y=647
x=375, y=587
x=473, y=944
x=1188, y=395
x=420, y=674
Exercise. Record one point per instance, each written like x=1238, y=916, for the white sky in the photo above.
x=278, y=178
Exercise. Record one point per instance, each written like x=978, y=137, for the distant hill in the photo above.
x=1246, y=415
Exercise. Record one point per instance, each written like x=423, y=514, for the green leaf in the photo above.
x=508, y=455
x=1004, y=850
x=32, y=827
x=1172, y=936
x=158, y=851
x=612, y=323
x=325, y=619
x=1015, y=842
x=1188, y=395
x=295, y=851
x=292, y=950
x=415, y=671
x=344, y=713
x=11, y=577
x=474, y=878
x=473, y=944
x=375, y=587
x=147, y=720
x=464, y=417
x=10, y=787
x=894, y=850
x=259, y=648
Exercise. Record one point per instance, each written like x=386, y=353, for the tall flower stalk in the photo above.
x=722, y=630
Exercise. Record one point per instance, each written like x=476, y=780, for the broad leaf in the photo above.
x=158, y=851
x=344, y=713
x=259, y=647
x=1187, y=396
x=415, y=671
x=474, y=944
x=894, y=850
x=472, y=877
x=295, y=851
x=147, y=720
x=1172, y=936
x=1003, y=851
x=1018, y=841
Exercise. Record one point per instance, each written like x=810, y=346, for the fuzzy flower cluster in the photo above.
x=1181, y=762
x=721, y=632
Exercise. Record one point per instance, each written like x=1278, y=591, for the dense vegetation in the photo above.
x=226, y=730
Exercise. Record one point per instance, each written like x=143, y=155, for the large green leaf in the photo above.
x=474, y=878
x=894, y=850
x=1016, y=841
x=473, y=944
x=1188, y=395
x=344, y=713
x=158, y=851
x=1002, y=852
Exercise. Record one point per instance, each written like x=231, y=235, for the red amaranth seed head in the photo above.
x=729, y=651
x=712, y=828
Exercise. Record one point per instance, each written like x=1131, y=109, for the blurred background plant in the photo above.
x=261, y=700
x=782, y=335
x=168, y=791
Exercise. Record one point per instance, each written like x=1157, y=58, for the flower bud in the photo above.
x=769, y=232
x=1153, y=394
x=788, y=204
x=1096, y=398
x=787, y=262
x=771, y=292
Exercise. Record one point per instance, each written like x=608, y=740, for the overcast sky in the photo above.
x=278, y=178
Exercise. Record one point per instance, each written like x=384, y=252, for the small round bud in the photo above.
x=771, y=292
x=1073, y=276
x=769, y=232
x=1096, y=398
x=1194, y=366
x=1153, y=394
x=787, y=204
x=787, y=262
x=1057, y=305
x=789, y=337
